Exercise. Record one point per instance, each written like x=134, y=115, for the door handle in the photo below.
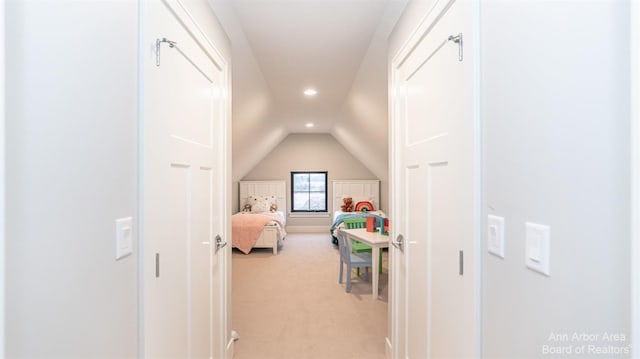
x=399, y=242
x=219, y=243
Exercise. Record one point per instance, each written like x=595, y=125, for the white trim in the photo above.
x=227, y=184
x=394, y=193
x=479, y=174
x=2, y=181
x=428, y=21
x=309, y=214
x=140, y=199
x=308, y=229
x=635, y=175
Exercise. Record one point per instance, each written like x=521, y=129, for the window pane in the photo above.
x=317, y=201
x=309, y=191
x=318, y=181
x=301, y=182
x=301, y=201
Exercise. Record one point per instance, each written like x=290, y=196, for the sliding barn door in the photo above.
x=184, y=212
x=434, y=202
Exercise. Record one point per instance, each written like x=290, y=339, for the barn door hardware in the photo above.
x=172, y=44
x=457, y=40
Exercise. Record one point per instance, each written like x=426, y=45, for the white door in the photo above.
x=434, y=206
x=183, y=185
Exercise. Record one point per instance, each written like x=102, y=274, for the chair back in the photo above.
x=351, y=223
x=345, y=245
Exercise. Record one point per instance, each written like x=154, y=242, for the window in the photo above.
x=308, y=191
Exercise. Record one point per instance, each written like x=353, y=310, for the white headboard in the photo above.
x=264, y=188
x=369, y=189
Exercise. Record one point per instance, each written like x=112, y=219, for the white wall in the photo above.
x=2, y=182
x=635, y=173
x=309, y=152
x=555, y=112
x=255, y=132
x=71, y=164
x=362, y=125
x=364, y=135
x=555, y=102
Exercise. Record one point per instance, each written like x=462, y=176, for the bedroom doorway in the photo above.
x=293, y=289
x=291, y=305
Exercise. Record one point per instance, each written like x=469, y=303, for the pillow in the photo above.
x=251, y=200
x=263, y=204
x=260, y=205
x=369, y=199
x=364, y=206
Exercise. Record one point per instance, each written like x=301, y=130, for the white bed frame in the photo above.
x=271, y=236
x=357, y=189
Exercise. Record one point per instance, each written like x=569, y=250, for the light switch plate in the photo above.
x=538, y=247
x=495, y=235
x=124, y=237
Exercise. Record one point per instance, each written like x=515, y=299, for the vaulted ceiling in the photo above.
x=282, y=47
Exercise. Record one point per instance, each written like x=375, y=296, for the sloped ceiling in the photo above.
x=281, y=47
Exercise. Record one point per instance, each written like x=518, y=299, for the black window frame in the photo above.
x=326, y=192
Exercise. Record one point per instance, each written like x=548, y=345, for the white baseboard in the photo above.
x=308, y=229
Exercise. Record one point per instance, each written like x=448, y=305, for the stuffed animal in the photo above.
x=348, y=204
x=246, y=208
x=273, y=208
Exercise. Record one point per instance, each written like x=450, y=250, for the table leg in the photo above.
x=375, y=257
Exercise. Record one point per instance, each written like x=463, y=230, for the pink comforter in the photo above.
x=246, y=229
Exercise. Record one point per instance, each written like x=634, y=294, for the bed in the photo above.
x=359, y=191
x=262, y=228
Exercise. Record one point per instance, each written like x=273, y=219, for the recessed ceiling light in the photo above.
x=309, y=125
x=310, y=92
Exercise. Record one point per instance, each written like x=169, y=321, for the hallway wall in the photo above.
x=72, y=169
x=555, y=122
x=555, y=112
x=72, y=156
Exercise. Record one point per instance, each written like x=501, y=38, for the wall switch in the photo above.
x=495, y=235
x=124, y=237
x=538, y=247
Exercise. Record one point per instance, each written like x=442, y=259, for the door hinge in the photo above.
x=461, y=260
x=458, y=40
x=160, y=41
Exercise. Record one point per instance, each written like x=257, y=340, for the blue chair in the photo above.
x=351, y=260
x=359, y=247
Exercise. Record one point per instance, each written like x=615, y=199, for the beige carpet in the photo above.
x=291, y=305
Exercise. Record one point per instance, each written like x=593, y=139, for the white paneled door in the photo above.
x=435, y=177
x=185, y=109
